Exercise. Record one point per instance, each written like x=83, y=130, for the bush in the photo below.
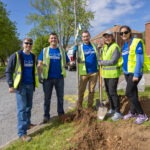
x=2, y=70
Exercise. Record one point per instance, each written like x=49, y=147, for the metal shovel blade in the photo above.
x=102, y=111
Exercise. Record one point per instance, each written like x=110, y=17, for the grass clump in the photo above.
x=55, y=136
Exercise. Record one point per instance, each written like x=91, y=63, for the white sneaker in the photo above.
x=116, y=116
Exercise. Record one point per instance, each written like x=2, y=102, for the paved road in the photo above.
x=8, y=119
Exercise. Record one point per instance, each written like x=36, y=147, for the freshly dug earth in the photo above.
x=93, y=134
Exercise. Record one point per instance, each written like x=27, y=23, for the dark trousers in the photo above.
x=48, y=88
x=111, y=90
x=132, y=94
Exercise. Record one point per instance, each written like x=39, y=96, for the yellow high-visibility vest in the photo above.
x=112, y=71
x=132, y=56
x=46, y=62
x=82, y=66
x=17, y=75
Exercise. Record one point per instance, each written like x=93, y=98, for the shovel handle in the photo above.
x=100, y=83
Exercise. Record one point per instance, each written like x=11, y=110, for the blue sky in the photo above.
x=18, y=10
x=134, y=13
x=108, y=13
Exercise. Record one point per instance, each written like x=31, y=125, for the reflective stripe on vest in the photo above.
x=132, y=56
x=46, y=62
x=112, y=71
x=82, y=66
x=111, y=68
x=18, y=73
x=36, y=77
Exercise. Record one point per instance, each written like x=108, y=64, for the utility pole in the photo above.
x=75, y=42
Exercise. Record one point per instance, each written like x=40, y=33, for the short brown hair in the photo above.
x=28, y=39
x=54, y=33
x=86, y=31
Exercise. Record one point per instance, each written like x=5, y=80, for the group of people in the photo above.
x=23, y=75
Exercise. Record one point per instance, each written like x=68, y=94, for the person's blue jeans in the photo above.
x=48, y=88
x=24, y=98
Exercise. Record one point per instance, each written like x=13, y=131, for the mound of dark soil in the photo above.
x=93, y=134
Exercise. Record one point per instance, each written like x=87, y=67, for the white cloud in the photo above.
x=109, y=11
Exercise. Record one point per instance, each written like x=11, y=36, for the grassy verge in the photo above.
x=57, y=136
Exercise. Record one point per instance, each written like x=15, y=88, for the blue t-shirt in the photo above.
x=90, y=58
x=27, y=76
x=55, y=63
x=139, y=58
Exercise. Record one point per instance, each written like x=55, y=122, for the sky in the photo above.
x=134, y=13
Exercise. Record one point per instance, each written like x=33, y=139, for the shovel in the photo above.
x=102, y=110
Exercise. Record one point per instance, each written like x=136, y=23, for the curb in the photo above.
x=39, y=127
x=31, y=132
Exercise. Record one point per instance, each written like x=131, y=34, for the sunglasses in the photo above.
x=28, y=43
x=125, y=32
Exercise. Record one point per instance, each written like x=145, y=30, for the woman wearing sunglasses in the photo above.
x=133, y=53
x=111, y=62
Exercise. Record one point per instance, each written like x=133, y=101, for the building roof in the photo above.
x=114, y=29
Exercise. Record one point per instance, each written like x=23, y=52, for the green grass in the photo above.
x=141, y=94
x=146, y=93
x=55, y=136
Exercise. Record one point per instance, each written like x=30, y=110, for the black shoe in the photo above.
x=31, y=126
x=62, y=117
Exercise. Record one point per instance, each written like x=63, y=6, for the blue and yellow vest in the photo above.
x=46, y=62
x=18, y=73
x=132, y=56
x=81, y=65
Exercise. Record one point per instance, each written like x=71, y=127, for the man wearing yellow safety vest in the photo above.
x=111, y=62
x=51, y=67
x=135, y=61
x=22, y=78
x=88, y=68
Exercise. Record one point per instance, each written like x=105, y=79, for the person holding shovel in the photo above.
x=134, y=62
x=111, y=62
x=88, y=68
